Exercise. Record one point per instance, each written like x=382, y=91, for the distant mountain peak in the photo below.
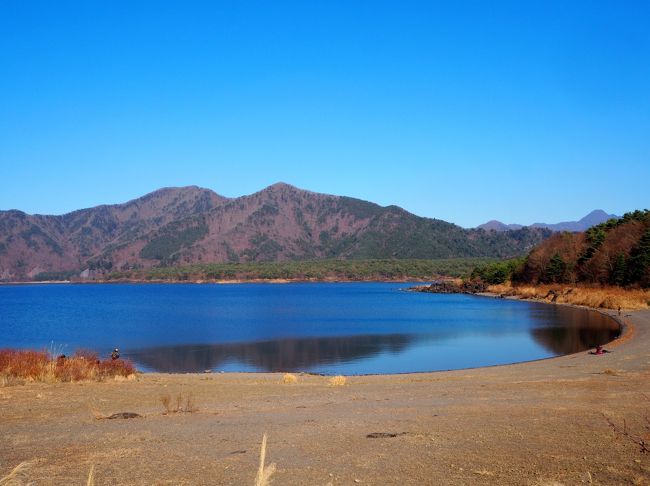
x=282, y=185
x=595, y=217
x=495, y=225
x=285, y=187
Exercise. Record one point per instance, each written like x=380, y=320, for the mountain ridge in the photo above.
x=595, y=217
x=187, y=225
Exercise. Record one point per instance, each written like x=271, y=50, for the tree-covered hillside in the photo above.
x=616, y=252
x=192, y=226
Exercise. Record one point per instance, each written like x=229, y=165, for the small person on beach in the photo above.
x=599, y=350
x=115, y=354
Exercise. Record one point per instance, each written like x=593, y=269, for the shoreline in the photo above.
x=551, y=421
x=627, y=329
x=219, y=282
x=627, y=332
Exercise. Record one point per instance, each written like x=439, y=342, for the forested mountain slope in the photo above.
x=189, y=225
x=616, y=253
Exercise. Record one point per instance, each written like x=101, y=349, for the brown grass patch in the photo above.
x=289, y=379
x=17, y=475
x=179, y=403
x=42, y=366
x=337, y=380
x=597, y=297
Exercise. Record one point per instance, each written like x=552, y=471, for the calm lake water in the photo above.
x=330, y=328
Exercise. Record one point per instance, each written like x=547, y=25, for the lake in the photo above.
x=329, y=328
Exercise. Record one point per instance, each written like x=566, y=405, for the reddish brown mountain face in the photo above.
x=193, y=225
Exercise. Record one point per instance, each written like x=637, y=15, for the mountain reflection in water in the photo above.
x=576, y=331
x=580, y=330
x=329, y=328
x=274, y=355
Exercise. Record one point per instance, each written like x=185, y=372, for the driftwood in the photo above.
x=123, y=415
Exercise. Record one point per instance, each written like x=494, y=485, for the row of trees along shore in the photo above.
x=392, y=269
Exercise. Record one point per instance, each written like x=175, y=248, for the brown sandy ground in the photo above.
x=542, y=423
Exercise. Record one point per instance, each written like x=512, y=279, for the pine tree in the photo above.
x=556, y=270
x=618, y=275
x=639, y=266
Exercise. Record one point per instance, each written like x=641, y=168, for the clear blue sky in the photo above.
x=464, y=111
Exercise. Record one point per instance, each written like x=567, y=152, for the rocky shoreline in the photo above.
x=451, y=287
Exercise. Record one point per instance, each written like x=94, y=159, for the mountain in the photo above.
x=189, y=225
x=592, y=219
x=494, y=225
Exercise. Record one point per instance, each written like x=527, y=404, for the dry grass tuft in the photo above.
x=45, y=367
x=131, y=377
x=94, y=412
x=166, y=401
x=181, y=403
x=91, y=476
x=289, y=379
x=6, y=380
x=264, y=474
x=595, y=296
x=17, y=475
x=337, y=380
x=484, y=472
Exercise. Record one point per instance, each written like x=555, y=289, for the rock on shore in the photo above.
x=451, y=287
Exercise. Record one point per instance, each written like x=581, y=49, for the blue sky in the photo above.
x=463, y=111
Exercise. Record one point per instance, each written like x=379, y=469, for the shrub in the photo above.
x=183, y=403
x=289, y=379
x=43, y=366
x=337, y=380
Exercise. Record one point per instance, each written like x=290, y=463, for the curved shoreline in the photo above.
x=570, y=419
x=625, y=333
x=627, y=329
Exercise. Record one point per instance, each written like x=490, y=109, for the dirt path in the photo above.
x=558, y=421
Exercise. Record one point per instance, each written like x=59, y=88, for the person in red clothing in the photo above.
x=599, y=350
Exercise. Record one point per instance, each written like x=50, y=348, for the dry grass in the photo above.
x=337, y=380
x=91, y=476
x=264, y=473
x=596, y=297
x=180, y=403
x=16, y=476
x=95, y=412
x=289, y=379
x=44, y=367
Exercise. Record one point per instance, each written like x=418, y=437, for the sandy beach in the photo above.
x=576, y=419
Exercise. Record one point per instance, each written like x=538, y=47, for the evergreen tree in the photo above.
x=639, y=266
x=556, y=270
x=619, y=272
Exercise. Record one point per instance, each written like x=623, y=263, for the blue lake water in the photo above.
x=330, y=328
